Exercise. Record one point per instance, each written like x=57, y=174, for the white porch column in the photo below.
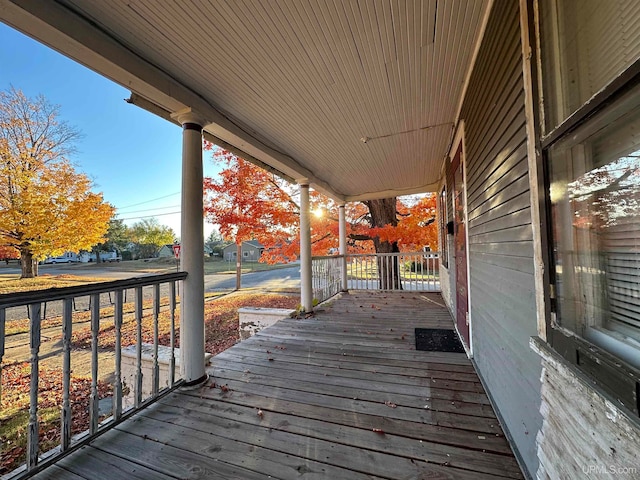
x=306, y=293
x=342, y=224
x=191, y=252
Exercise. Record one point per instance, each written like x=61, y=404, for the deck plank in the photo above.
x=261, y=362
x=353, y=459
x=325, y=435
x=376, y=390
x=418, y=412
x=342, y=394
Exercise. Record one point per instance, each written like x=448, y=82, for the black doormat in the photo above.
x=438, y=340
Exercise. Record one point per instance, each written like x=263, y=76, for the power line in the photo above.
x=149, y=216
x=151, y=209
x=149, y=201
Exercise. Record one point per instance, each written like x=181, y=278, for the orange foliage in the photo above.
x=248, y=203
x=8, y=253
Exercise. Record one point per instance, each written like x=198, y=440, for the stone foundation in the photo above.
x=254, y=319
x=129, y=370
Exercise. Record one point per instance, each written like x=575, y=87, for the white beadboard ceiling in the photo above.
x=358, y=96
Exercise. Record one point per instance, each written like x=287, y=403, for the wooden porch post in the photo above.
x=342, y=223
x=192, y=251
x=306, y=293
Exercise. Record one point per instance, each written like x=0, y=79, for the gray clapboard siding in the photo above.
x=511, y=234
x=521, y=249
x=519, y=264
x=503, y=311
x=520, y=217
x=509, y=185
x=507, y=129
x=510, y=205
x=507, y=161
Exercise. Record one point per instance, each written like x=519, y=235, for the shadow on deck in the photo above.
x=342, y=395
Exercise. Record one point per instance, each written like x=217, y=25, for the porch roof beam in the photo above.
x=151, y=107
x=432, y=187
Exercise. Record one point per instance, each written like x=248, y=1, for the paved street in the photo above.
x=277, y=279
x=269, y=280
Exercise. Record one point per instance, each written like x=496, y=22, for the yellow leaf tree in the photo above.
x=46, y=207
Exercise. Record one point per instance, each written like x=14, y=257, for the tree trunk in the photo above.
x=29, y=264
x=383, y=212
x=238, y=265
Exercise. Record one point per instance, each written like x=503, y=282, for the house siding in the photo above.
x=593, y=439
x=502, y=289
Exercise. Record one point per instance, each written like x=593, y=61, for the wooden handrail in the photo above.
x=59, y=293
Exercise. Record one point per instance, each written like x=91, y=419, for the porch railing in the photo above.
x=104, y=308
x=417, y=271
x=326, y=276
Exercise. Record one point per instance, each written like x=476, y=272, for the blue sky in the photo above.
x=132, y=156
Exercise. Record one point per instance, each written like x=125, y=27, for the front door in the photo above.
x=460, y=247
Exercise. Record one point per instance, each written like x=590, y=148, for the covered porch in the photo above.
x=341, y=394
x=476, y=101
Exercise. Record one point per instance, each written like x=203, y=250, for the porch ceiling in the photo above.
x=359, y=97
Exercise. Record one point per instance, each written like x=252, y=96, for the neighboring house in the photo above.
x=167, y=251
x=251, y=251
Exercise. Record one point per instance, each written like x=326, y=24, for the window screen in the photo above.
x=595, y=199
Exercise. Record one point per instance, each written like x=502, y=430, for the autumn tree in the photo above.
x=248, y=203
x=149, y=236
x=251, y=203
x=46, y=206
x=9, y=253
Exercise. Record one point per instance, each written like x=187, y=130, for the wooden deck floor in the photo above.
x=343, y=395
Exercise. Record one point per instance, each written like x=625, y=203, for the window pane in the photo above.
x=595, y=196
x=585, y=45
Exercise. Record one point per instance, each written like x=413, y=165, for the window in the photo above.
x=245, y=254
x=444, y=251
x=586, y=44
x=595, y=207
x=591, y=91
